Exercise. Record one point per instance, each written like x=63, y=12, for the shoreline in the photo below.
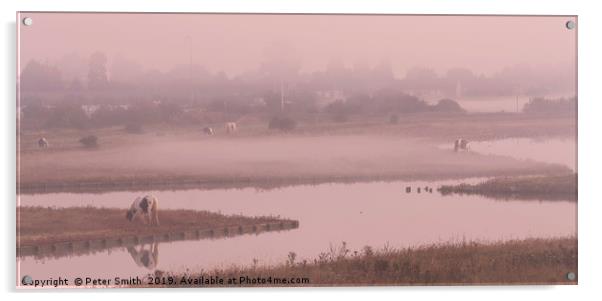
x=464, y=263
x=41, y=229
x=539, y=187
x=205, y=183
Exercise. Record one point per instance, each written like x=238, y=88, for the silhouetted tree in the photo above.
x=387, y=101
x=551, y=106
x=34, y=116
x=97, y=72
x=448, y=105
x=40, y=77
x=90, y=141
x=67, y=115
x=282, y=123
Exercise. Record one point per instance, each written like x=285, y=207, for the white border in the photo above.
x=590, y=197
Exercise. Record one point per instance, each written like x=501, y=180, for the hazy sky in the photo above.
x=235, y=43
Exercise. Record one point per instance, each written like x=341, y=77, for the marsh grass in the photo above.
x=548, y=187
x=529, y=261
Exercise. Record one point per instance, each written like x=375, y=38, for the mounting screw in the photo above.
x=570, y=276
x=570, y=25
x=27, y=21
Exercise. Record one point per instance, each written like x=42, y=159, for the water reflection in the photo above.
x=360, y=214
x=136, y=244
x=144, y=256
x=557, y=150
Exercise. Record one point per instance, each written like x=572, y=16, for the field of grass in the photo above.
x=41, y=225
x=530, y=261
x=439, y=127
x=551, y=187
x=360, y=150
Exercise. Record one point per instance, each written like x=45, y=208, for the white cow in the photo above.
x=145, y=208
x=461, y=144
x=230, y=127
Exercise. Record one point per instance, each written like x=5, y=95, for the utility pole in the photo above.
x=190, y=69
x=281, y=98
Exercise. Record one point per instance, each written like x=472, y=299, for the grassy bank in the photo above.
x=531, y=261
x=550, y=187
x=258, y=161
x=41, y=226
x=440, y=127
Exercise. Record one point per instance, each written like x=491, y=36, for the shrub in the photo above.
x=448, y=106
x=89, y=141
x=540, y=105
x=340, y=117
x=282, y=123
x=134, y=128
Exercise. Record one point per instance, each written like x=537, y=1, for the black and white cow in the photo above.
x=208, y=131
x=42, y=143
x=145, y=208
x=460, y=144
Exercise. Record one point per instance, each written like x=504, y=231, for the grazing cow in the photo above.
x=145, y=257
x=42, y=143
x=145, y=207
x=460, y=144
x=208, y=131
x=230, y=127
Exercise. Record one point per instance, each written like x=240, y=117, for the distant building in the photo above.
x=90, y=109
x=258, y=102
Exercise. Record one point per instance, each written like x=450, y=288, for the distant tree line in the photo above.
x=558, y=106
x=72, y=114
x=390, y=101
x=124, y=80
x=132, y=97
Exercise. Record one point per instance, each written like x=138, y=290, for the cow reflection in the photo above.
x=145, y=257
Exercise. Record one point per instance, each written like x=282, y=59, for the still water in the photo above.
x=360, y=214
x=561, y=151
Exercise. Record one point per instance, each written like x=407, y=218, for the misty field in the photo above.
x=315, y=152
x=529, y=261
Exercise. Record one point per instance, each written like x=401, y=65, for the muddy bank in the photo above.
x=39, y=226
x=549, y=187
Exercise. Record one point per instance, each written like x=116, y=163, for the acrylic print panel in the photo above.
x=203, y=150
